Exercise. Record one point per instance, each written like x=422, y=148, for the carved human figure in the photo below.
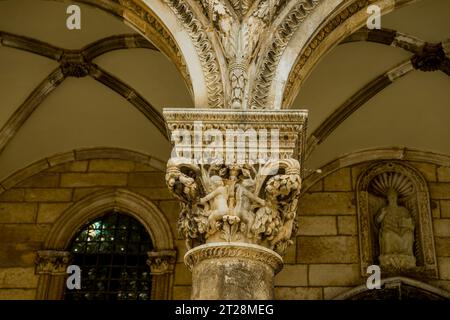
x=218, y=201
x=245, y=200
x=396, y=233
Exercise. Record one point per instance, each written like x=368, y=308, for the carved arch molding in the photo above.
x=395, y=232
x=244, y=54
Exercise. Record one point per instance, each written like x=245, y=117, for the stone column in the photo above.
x=237, y=175
x=51, y=266
x=162, y=265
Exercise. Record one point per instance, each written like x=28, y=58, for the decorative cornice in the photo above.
x=162, y=261
x=52, y=262
x=236, y=116
x=233, y=250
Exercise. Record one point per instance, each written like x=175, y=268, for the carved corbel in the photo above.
x=51, y=266
x=162, y=266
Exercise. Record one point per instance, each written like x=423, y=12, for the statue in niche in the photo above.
x=396, y=234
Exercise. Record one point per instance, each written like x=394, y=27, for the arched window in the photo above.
x=112, y=253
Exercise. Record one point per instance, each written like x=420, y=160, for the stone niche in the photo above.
x=394, y=220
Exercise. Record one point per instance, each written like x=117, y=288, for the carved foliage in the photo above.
x=161, y=262
x=372, y=190
x=254, y=204
x=52, y=262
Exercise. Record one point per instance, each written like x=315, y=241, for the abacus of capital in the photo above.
x=238, y=215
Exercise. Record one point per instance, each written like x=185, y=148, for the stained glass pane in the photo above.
x=112, y=252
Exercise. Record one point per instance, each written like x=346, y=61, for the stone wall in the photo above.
x=323, y=262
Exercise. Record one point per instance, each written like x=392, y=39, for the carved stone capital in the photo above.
x=161, y=262
x=52, y=262
x=236, y=175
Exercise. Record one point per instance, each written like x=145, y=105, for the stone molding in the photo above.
x=53, y=262
x=233, y=250
x=162, y=261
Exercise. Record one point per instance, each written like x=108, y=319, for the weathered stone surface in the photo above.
x=442, y=284
x=338, y=181
x=182, y=275
x=313, y=226
x=443, y=174
x=356, y=171
x=298, y=293
x=435, y=208
x=18, y=254
x=49, y=212
x=347, y=225
x=17, y=212
x=171, y=210
x=232, y=271
x=23, y=174
x=443, y=247
x=331, y=292
x=41, y=180
x=334, y=275
x=444, y=268
x=440, y=190
x=147, y=179
x=157, y=164
x=327, y=203
x=48, y=195
x=15, y=233
x=339, y=249
x=93, y=179
x=290, y=257
x=317, y=187
x=142, y=167
x=445, y=208
x=79, y=193
x=18, y=278
x=427, y=169
x=441, y=227
x=181, y=249
x=75, y=166
x=292, y=276
x=111, y=165
x=60, y=159
x=12, y=195
x=161, y=193
x=182, y=292
x=17, y=294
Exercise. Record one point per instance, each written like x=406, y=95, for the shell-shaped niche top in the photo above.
x=402, y=184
